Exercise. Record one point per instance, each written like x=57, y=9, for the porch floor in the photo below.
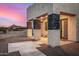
x=62, y=42
x=43, y=40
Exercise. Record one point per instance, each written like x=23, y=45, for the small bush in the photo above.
x=3, y=29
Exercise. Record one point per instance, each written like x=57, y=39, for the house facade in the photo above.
x=56, y=21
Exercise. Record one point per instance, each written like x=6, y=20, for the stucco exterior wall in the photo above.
x=38, y=9
x=37, y=34
x=29, y=33
x=54, y=38
x=44, y=32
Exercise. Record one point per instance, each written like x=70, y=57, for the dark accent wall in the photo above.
x=53, y=21
x=37, y=24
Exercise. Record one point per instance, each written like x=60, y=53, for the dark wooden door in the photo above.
x=64, y=28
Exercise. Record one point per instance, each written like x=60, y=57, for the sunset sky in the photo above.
x=13, y=14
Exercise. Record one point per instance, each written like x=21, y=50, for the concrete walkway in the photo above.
x=27, y=48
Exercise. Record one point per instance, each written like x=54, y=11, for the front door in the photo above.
x=64, y=28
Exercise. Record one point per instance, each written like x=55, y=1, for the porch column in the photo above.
x=53, y=30
x=37, y=29
x=29, y=29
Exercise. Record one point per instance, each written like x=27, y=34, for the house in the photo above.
x=56, y=21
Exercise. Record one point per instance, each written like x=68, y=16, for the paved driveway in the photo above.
x=12, y=34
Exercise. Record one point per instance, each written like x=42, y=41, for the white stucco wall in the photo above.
x=54, y=38
x=37, y=34
x=29, y=33
x=77, y=27
x=43, y=31
x=38, y=9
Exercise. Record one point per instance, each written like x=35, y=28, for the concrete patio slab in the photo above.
x=27, y=48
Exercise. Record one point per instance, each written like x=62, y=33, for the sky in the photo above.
x=13, y=13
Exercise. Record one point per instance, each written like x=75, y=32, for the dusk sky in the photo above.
x=15, y=13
